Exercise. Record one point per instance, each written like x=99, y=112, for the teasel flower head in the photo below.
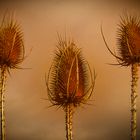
x=129, y=55
x=70, y=79
x=11, y=44
x=128, y=41
x=11, y=54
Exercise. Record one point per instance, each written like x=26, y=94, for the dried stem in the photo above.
x=2, y=89
x=134, y=71
x=69, y=114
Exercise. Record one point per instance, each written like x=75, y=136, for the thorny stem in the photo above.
x=69, y=114
x=2, y=100
x=134, y=71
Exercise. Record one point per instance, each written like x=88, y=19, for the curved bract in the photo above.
x=69, y=79
x=11, y=44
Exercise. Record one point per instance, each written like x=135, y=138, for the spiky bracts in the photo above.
x=128, y=40
x=11, y=55
x=69, y=76
x=11, y=44
x=70, y=81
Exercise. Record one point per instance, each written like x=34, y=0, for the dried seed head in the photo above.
x=68, y=78
x=129, y=40
x=11, y=44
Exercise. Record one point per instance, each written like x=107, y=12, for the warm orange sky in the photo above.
x=27, y=115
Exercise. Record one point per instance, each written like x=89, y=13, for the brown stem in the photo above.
x=2, y=89
x=134, y=71
x=69, y=114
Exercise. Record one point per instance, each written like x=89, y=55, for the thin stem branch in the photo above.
x=134, y=71
x=69, y=114
x=2, y=89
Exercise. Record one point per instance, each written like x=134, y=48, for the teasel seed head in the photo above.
x=128, y=41
x=69, y=79
x=11, y=44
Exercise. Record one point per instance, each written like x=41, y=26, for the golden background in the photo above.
x=27, y=114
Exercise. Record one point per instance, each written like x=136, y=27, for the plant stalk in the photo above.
x=2, y=98
x=69, y=114
x=134, y=71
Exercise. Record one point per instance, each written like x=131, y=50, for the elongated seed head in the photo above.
x=69, y=76
x=129, y=40
x=11, y=44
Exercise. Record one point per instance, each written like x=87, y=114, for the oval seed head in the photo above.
x=11, y=44
x=69, y=76
x=129, y=40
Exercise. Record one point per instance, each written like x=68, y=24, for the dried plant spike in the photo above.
x=129, y=50
x=128, y=41
x=11, y=44
x=11, y=55
x=68, y=76
x=70, y=81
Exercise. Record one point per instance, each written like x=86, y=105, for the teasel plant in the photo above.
x=70, y=82
x=128, y=41
x=11, y=55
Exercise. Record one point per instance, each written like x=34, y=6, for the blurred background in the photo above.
x=28, y=116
